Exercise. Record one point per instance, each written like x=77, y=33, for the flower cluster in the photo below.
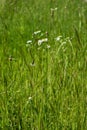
x=39, y=38
x=42, y=41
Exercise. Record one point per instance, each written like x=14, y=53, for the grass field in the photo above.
x=43, y=65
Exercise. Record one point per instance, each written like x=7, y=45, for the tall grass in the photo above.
x=43, y=65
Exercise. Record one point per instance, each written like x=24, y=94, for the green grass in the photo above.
x=43, y=87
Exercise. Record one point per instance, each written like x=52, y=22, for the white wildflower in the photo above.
x=37, y=32
x=29, y=41
x=29, y=98
x=45, y=40
x=58, y=38
x=42, y=41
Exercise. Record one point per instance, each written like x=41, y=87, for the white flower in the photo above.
x=29, y=98
x=39, y=42
x=42, y=40
x=29, y=41
x=45, y=40
x=58, y=38
x=37, y=32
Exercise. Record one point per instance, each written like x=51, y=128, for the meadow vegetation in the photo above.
x=43, y=65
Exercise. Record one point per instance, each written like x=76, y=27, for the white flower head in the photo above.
x=37, y=32
x=29, y=98
x=42, y=41
x=58, y=38
x=45, y=40
x=29, y=41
